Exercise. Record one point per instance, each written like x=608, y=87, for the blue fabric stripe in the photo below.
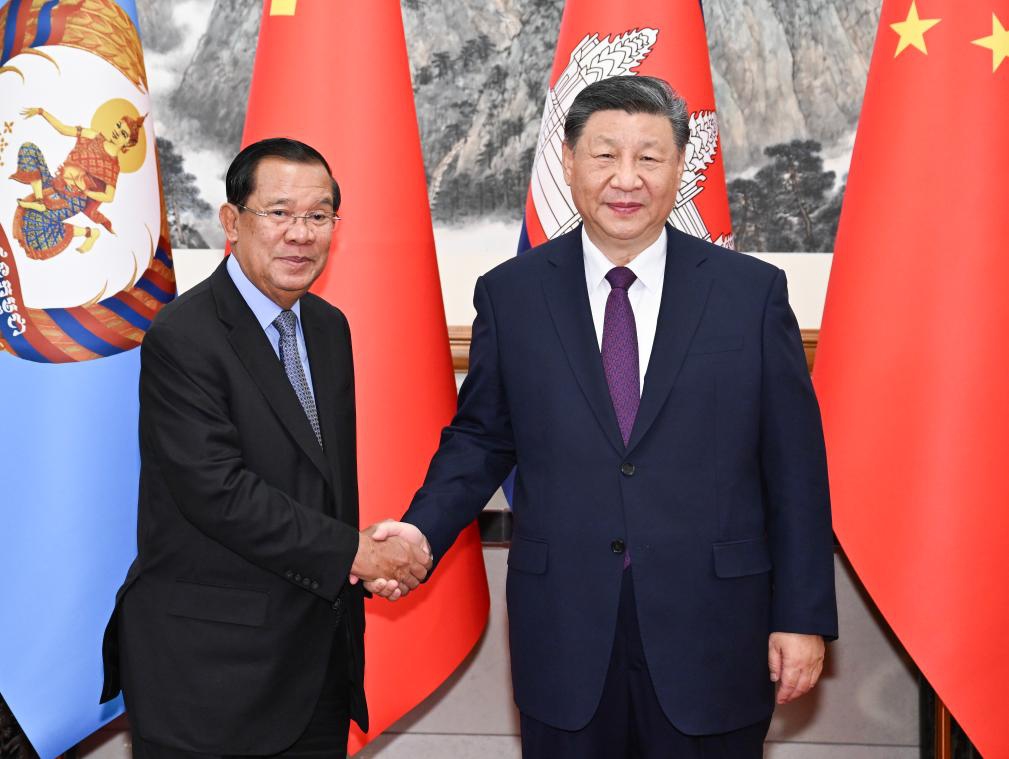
x=12, y=22
x=162, y=256
x=523, y=237
x=45, y=23
x=70, y=528
x=24, y=349
x=154, y=291
x=80, y=333
x=123, y=311
x=130, y=9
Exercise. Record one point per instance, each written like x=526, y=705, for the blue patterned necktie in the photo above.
x=291, y=359
x=620, y=350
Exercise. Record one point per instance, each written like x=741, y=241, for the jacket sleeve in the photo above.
x=187, y=433
x=477, y=450
x=794, y=468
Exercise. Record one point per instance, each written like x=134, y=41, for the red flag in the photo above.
x=912, y=365
x=336, y=75
x=600, y=39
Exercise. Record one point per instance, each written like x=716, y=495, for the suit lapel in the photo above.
x=685, y=291
x=568, y=302
x=255, y=352
x=327, y=377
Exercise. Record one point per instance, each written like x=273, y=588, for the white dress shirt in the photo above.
x=266, y=312
x=644, y=294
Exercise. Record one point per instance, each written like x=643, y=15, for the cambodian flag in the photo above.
x=85, y=265
x=599, y=39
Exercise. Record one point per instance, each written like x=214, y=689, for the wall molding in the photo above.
x=459, y=339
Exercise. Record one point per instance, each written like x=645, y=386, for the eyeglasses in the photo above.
x=280, y=217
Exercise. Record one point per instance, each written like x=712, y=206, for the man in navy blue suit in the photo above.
x=671, y=567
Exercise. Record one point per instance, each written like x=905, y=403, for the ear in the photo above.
x=229, y=222
x=568, y=161
x=680, y=162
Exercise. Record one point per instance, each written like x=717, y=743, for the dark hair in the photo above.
x=134, y=129
x=631, y=94
x=240, y=181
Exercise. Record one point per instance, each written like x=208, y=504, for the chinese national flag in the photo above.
x=599, y=39
x=336, y=76
x=912, y=370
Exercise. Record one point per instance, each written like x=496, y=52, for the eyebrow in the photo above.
x=611, y=142
x=327, y=201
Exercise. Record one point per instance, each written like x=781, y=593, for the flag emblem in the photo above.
x=594, y=58
x=85, y=262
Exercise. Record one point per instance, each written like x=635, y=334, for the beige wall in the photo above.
x=463, y=255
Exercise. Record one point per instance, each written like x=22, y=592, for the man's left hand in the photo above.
x=795, y=661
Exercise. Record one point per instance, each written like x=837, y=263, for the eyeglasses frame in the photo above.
x=292, y=219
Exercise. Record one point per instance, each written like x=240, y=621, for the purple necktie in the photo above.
x=620, y=350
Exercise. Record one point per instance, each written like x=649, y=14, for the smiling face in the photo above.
x=624, y=172
x=282, y=260
x=120, y=136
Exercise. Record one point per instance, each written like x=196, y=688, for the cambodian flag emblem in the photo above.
x=84, y=256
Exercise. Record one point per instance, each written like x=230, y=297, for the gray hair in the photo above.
x=631, y=94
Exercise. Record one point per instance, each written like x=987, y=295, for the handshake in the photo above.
x=392, y=559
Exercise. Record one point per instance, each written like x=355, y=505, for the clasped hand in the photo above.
x=392, y=559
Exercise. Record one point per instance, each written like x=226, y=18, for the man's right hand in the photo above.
x=385, y=553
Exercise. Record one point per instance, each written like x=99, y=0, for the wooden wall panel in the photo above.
x=459, y=339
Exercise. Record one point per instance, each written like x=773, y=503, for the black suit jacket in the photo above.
x=720, y=495
x=246, y=531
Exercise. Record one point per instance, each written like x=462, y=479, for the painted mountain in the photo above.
x=789, y=77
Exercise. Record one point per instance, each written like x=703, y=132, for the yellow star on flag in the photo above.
x=283, y=7
x=998, y=43
x=912, y=30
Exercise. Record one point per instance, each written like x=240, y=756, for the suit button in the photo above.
x=617, y=546
x=306, y=582
x=627, y=469
x=315, y=585
x=289, y=574
x=337, y=604
x=297, y=578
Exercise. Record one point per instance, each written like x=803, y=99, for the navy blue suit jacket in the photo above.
x=720, y=495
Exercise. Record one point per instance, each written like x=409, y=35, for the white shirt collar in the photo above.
x=649, y=266
x=264, y=309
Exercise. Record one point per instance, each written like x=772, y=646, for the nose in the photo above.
x=299, y=231
x=625, y=175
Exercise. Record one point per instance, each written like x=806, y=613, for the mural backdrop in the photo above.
x=789, y=77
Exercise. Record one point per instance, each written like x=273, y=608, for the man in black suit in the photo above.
x=671, y=558
x=237, y=630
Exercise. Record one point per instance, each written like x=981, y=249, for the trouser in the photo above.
x=325, y=737
x=629, y=721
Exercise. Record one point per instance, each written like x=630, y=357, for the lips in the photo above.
x=624, y=208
